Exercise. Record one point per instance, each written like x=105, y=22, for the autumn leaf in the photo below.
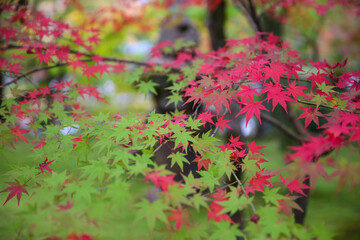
x=294, y=185
x=45, y=166
x=222, y=123
x=19, y=133
x=310, y=114
x=251, y=108
x=178, y=215
x=202, y=162
x=15, y=189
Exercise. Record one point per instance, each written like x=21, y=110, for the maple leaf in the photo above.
x=160, y=181
x=14, y=68
x=202, y=162
x=296, y=90
x=310, y=114
x=89, y=71
x=295, y=185
x=39, y=144
x=247, y=92
x=45, y=165
x=274, y=70
x=217, y=99
x=65, y=207
x=43, y=55
x=15, y=189
x=318, y=78
x=178, y=215
x=77, y=64
x=277, y=95
x=222, y=123
x=253, y=148
x=258, y=182
x=19, y=133
x=74, y=236
x=251, y=108
x=206, y=117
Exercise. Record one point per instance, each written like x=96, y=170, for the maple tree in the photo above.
x=104, y=181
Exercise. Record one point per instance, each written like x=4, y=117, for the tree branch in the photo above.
x=282, y=127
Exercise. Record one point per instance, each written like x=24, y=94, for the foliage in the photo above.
x=95, y=176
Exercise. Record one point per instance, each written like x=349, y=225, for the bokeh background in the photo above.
x=129, y=29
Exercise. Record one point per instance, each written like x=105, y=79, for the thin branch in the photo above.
x=249, y=14
x=326, y=106
x=243, y=189
x=31, y=72
x=294, y=121
x=282, y=127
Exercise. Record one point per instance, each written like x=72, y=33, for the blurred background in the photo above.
x=129, y=29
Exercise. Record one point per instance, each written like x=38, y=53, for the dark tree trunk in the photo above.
x=303, y=203
x=216, y=21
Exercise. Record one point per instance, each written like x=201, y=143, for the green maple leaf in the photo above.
x=226, y=230
x=96, y=169
x=271, y=195
x=147, y=87
x=319, y=100
x=152, y=212
x=174, y=98
x=190, y=180
x=193, y=124
x=209, y=177
x=205, y=144
x=327, y=89
x=179, y=159
x=249, y=166
x=183, y=137
x=133, y=77
x=199, y=201
x=235, y=203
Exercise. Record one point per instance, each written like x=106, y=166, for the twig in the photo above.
x=282, y=127
x=325, y=106
x=296, y=124
x=243, y=189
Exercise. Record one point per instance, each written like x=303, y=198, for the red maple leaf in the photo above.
x=206, y=117
x=15, y=189
x=274, y=70
x=43, y=55
x=74, y=236
x=78, y=139
x=14, y=68
x=202, y=162
x=296, y=90
x=251, y=108
x=89, y=71
x=318, y=78
x=247, y=93
x=217, y=99
x=253, y=148
x=179, y=216
x=310, y=114
x=215, y=208
x=295, y=185
x=39, y=144
x=277, y=95
x=77, y=64
x=222, y=123
x=65, y=207
x=18, y=133
x=160, y=181
x=45, y=166
x=258, y=182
